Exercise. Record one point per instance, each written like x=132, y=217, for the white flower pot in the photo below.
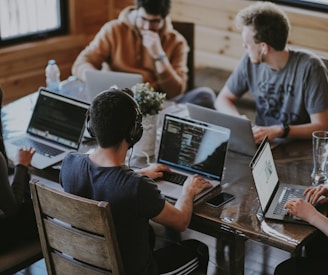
x=146, y=145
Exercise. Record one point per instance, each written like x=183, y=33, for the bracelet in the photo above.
x=161, y=57
x=285, y=126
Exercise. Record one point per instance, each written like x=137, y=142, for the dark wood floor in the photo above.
x=260, y=259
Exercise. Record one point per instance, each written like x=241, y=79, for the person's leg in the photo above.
x=202, y=96
x=317, y=247
x=182, y=258
x=301, y=266
x=21, y=227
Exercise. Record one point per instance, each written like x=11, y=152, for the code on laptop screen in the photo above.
x=194, y=146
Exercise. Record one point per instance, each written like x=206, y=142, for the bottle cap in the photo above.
x=51, y=62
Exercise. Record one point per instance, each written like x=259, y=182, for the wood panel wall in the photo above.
x=217, y=41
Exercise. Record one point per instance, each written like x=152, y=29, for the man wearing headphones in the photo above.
x=289, y=86
x=115, y=122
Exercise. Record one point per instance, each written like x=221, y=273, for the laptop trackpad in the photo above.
x=169, y=189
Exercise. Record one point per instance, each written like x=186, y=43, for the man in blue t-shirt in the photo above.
x=290, y=87
x=114, y=119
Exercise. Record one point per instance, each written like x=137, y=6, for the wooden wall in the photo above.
x=217, y=41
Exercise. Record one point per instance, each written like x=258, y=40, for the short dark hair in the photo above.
x=155, y=7
x=112, y=116
x=271, y=24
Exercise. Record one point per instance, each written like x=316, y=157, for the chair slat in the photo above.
x=77, y=235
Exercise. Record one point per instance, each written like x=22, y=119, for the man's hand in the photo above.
x=24, y=156
x=272, y=132
x=301, y=208
x=313, y=194
x=152, y=42
x=154, y=171
x=196, y=184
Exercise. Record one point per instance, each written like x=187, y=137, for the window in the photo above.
x=26, y=20
x=319, y=5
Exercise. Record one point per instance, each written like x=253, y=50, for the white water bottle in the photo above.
x=52, y=76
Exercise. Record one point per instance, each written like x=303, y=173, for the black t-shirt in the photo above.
x=134, y=199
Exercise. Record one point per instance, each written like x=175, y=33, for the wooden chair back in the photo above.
x=187, y=29
x=77, y=234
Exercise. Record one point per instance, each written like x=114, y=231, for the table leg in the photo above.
x=236, y=252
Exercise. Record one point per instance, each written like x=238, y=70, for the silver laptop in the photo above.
x=56, y=128
x=98, y=81
x=273, y=194
x=241, y=141
x=191, y=147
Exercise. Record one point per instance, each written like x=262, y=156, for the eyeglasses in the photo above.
x=153, y=22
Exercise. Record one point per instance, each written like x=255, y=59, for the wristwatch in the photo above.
x=285, y=126
x=161, y=57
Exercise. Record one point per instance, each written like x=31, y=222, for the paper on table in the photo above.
x=269, y=230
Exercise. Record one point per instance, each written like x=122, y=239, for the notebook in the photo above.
x=241, y=140
x=273, y=194
x=191, y=147
x=56, y=128
x=98, y=81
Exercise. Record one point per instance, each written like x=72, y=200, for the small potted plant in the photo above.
x=150, y=103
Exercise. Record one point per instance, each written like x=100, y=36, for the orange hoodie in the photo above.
x=119, y=44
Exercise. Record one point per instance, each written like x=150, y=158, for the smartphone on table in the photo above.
x=220, y=199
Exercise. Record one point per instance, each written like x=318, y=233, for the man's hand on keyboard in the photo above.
x=24, y=156
x=154, y=171
x=301, y=209
x=196, y=184
x=316, y=194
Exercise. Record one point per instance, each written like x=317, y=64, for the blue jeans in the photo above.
x=202, y=96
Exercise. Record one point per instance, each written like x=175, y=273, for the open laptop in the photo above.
x=56, y=128
x=191, y=147
x=273, y=194
x=241, y=141
x=98, y=81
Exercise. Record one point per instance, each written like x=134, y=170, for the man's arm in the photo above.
x=172, y=74
x=319, y=121
x=178, y=216
x=225, y=102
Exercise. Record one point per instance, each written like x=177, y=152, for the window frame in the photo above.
x=44, y=34
x=303, y=4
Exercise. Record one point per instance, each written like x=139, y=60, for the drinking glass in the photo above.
x=320, y=153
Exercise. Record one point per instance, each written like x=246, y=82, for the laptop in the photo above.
x=271, y=192
x=98, y=81
x=191, y=147
x=56, y=128
x=241, y=141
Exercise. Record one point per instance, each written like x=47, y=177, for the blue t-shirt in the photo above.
x=134, y=199
x=289, y=95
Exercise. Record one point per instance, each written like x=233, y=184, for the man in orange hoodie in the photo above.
x=142, y=40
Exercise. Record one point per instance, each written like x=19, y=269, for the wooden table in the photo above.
x=241, y=219
x=236, y=221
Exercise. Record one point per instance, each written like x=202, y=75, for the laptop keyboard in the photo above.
x=288, y=194
x=39, y=147
x=174, y=177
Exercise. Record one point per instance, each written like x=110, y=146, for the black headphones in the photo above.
x=136, y=131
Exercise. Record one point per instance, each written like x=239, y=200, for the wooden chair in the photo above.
x=77, y=234
x=187, y=29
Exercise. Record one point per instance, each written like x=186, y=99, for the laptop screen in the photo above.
x=264, y=173
x=195, y=146
x=58, y=119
